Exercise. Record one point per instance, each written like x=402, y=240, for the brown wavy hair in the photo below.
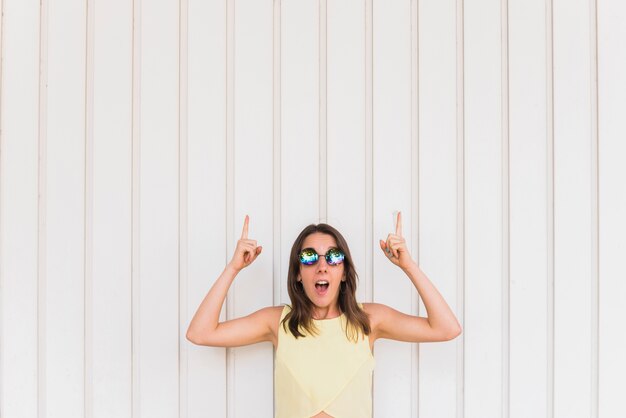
x=301, y=313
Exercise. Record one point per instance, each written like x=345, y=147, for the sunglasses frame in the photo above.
x=326, y=256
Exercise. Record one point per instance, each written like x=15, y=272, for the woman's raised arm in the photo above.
x=205, y=328
x=441, y=323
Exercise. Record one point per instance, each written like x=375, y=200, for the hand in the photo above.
x=247, y=251
x=395, y=247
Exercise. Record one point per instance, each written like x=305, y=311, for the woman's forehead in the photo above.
x=319, y=241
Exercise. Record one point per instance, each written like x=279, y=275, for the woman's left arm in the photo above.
x=441, y=323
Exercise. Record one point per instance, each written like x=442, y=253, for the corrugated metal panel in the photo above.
x=136, y=136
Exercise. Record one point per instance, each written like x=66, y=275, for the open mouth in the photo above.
x=321, y=287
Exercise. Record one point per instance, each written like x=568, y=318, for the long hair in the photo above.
x=301, y=313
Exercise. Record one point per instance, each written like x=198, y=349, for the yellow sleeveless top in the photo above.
x=325, y=372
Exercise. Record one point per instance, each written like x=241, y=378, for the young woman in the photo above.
x=324, y=340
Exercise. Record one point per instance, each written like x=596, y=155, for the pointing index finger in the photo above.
x=399, y=224
x=244, y=233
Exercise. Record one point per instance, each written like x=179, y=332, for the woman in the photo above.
x=324, y=361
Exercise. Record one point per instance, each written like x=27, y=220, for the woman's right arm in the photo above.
x=205, y=328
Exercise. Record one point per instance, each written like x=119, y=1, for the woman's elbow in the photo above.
x=455, y=333
x=193, y=338
x=190, y=337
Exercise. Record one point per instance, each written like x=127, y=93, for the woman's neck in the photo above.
x=327, y=312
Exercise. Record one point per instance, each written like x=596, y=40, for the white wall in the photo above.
x=135, y=137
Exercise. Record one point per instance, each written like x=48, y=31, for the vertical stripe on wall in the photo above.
x=460, y=203
x=158, y=211
x=206, y=193
x=42, y=193
x=19, y=145
x=277, y=264
x=253, y=181
x=505, y=276
x=323, y=161
x=572, y=208
x=391, y=93
x=412, y=235
x=88, y=273
x=438, y=178
x=136, y=181
x=611, y=91
x=111, y=47
x=528, y=232
x=483, y=207
x=370, y=240
x=231, y=240
x=183, y=208
x=65, y=216
x=594, y=221
x=550, y=208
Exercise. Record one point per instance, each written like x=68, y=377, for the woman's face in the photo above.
x=320, y=296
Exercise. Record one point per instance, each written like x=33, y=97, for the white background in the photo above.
x=136, y=136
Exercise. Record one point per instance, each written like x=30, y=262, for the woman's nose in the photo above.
x=322, y=264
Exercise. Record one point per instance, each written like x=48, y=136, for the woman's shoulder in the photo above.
x=375, y=309
x=270, y=316
x=275, y=313
x=369, y=307
x=375, y=312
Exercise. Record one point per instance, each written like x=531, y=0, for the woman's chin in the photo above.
x=323, y=301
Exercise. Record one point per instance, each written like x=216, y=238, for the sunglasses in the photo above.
x=309, y=256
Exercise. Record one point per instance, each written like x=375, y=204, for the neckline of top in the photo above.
x=328, y=319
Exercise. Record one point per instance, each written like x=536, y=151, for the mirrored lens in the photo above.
x=334, y=256
x=308, y=256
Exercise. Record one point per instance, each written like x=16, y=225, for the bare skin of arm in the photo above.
x=441, y=323
x=205, y=328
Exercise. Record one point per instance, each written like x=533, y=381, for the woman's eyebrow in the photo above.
x=323, y=252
